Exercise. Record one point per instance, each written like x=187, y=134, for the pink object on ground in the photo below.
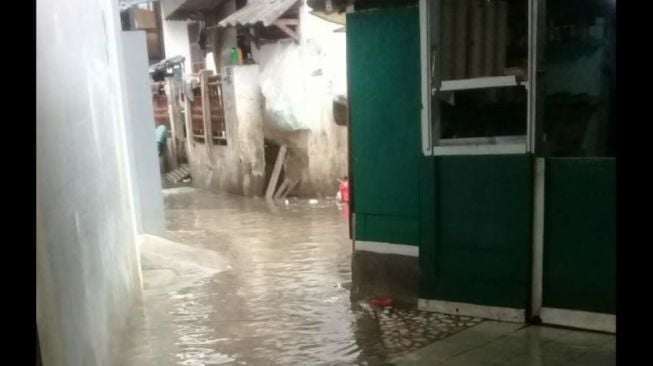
x=344, y=196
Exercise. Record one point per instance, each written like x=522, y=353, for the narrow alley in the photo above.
x=281, y=296
x=326, y=182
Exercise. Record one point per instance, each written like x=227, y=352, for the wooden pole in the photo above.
x=188, y=120
x=206, y=113
x=274, y=178
x=282, y=188
x=171, y=92
x=291, y=186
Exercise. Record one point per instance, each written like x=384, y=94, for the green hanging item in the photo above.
x=234, y=56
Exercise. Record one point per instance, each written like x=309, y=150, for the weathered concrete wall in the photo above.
x=239, y=166
x=88, y=269
x=384, y=275
x=241, y=88
x=175, y=33
x=327, y=151
x=312, y=73
x=149, y=211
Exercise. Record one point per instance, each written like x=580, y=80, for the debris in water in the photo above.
x=313, y=202
x=179, y=175
x=382, y=301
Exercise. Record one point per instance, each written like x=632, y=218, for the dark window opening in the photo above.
x=578, y=78
x=483, y=113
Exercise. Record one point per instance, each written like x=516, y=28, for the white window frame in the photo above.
x=482, y=145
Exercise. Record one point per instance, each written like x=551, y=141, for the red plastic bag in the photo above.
x=382, y=301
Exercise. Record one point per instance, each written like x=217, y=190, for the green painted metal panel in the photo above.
x=580, y=235
x=482, y=236
x=387, y=229
x=384, y=100
x=371, y=4
x=428, y=217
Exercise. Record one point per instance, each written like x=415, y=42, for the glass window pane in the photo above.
x=577, y=80
x=480, y=61
x=483, y=38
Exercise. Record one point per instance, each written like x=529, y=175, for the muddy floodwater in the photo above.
x=281, y=296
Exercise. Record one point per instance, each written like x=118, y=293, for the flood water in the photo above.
x=283, y=299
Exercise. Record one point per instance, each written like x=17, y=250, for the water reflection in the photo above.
x=285, y=300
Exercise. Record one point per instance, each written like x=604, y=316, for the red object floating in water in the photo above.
x=382, y=301
x=344, y=190
x=344, y=196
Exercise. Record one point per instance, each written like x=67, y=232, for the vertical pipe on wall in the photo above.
x=538, y=236
x=490, y=38
x=425, y=69
x=460, y=46
x=536, y=32
x=474, y=58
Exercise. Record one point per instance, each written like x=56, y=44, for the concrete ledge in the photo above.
x=480, y=311
x=386, y=248
x=579, y=319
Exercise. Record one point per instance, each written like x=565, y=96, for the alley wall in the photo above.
x=237, y=166
x=299, y=82
x=88, y=274
x=175, y=33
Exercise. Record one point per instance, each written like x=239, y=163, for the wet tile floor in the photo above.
x=283, y=299
x=493, y=343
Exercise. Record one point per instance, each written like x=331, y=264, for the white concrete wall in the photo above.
x=175, y=34
x=148, y=202
x=88, y=269
x=306, y=78
x=300, y=78
x=244, y=92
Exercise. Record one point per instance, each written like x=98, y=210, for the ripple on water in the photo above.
x=285, y=300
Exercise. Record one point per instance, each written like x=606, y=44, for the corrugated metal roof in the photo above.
x=194, y=9
x=258, y=11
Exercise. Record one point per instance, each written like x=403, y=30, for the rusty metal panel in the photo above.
x=160, y=103
x=196, y=115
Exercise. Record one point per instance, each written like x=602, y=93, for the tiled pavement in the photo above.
x=508, y=344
